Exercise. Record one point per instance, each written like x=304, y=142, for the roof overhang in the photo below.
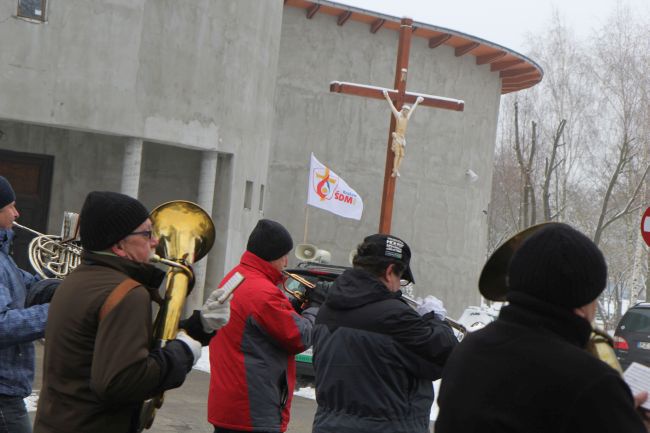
x=516, y=71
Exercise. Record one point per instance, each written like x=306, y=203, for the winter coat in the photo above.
x=252, y=365
x=19, y=326
x=375, y=359
x=96, y=374
x=528, y=372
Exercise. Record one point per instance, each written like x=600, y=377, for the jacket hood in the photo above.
x=6, y=238
x=356, y=287
x=253, y=262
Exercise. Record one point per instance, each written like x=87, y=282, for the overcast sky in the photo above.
x=505, y=22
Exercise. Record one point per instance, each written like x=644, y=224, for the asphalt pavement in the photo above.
x=185, y=408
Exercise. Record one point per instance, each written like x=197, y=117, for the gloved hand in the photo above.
x=297, y=304
x=192, y=344
x=41, y=292
x=432, y=304
x=213, y=314
x=318, y=294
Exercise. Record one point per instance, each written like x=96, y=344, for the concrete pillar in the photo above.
x=131, y=167
x=207, y=183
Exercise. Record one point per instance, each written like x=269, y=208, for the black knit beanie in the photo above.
x=107, y=217
x=7, y=194
x=269, y=240
x=559, y=265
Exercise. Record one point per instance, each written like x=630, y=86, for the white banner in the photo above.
x=329, y=192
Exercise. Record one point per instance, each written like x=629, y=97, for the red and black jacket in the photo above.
x=252, y=363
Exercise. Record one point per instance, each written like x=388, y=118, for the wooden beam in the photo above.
x=519, y=86
x=343, y=18
x=489, y=58
x=500, y=66
x=464, y=49
x=376, y=25
x=311, y=11
x=436, y=41
x=515, y=72
x=520, y=79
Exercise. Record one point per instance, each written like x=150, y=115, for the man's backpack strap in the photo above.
x=116, y=296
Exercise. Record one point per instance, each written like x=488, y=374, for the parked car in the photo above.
x=632, y=336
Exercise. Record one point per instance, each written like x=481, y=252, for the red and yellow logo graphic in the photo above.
x=325, y=184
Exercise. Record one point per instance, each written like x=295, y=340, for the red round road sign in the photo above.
x=645, y=226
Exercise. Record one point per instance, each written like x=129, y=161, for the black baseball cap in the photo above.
x=390, y=247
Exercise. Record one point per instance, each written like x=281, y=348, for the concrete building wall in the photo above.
x=184, y=77
x=438, y=211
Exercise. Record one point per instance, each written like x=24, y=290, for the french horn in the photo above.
x=54, y=256
x=493, y=285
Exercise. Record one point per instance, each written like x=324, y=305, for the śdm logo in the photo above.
x=325, y=184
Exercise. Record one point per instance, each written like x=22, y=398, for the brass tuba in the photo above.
x=186, y=233
x=54, y=256
x=493, y=285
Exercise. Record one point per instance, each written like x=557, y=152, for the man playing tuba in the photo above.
x=99, y=363
x=529, y=371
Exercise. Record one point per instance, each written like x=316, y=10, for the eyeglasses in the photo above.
x=404, y=283
x=146, y=233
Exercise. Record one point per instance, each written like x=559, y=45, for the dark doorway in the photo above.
x=30, y=175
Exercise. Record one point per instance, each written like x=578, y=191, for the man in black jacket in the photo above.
x=374, y=357
x=528, y=371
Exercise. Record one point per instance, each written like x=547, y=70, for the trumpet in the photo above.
x=462, y=329
x=303, y=297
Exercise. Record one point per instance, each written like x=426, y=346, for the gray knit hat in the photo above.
x=7, y=194
x=107, y=217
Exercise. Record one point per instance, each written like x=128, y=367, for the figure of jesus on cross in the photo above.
x=399, y=119
x=398, y=146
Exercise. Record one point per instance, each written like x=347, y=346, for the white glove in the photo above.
x=192, y=344
x=213, y=314
x=431, y=303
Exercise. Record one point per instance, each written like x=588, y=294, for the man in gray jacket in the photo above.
x=20, y=324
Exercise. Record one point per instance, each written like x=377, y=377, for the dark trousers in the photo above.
x=13, y=416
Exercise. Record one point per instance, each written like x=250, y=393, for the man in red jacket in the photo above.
x=253, y=370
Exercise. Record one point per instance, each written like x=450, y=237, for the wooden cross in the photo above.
x=400, y=96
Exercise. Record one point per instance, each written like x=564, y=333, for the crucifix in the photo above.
x=400, y=96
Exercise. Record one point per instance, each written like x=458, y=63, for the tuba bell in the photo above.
x=54, y=256
x=185, y=234
x=493, y=285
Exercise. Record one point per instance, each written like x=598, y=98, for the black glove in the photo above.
x=194, y=328
x=296, y=304
x=41, y=292
x=318, y=294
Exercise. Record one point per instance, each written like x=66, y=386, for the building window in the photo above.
x=33, y=9
x=248, y=195
x=261, y=198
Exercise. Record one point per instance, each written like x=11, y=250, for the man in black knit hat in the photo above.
x=529, y=371
x=21, y=322
x=99, y=362
x=252, y=365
